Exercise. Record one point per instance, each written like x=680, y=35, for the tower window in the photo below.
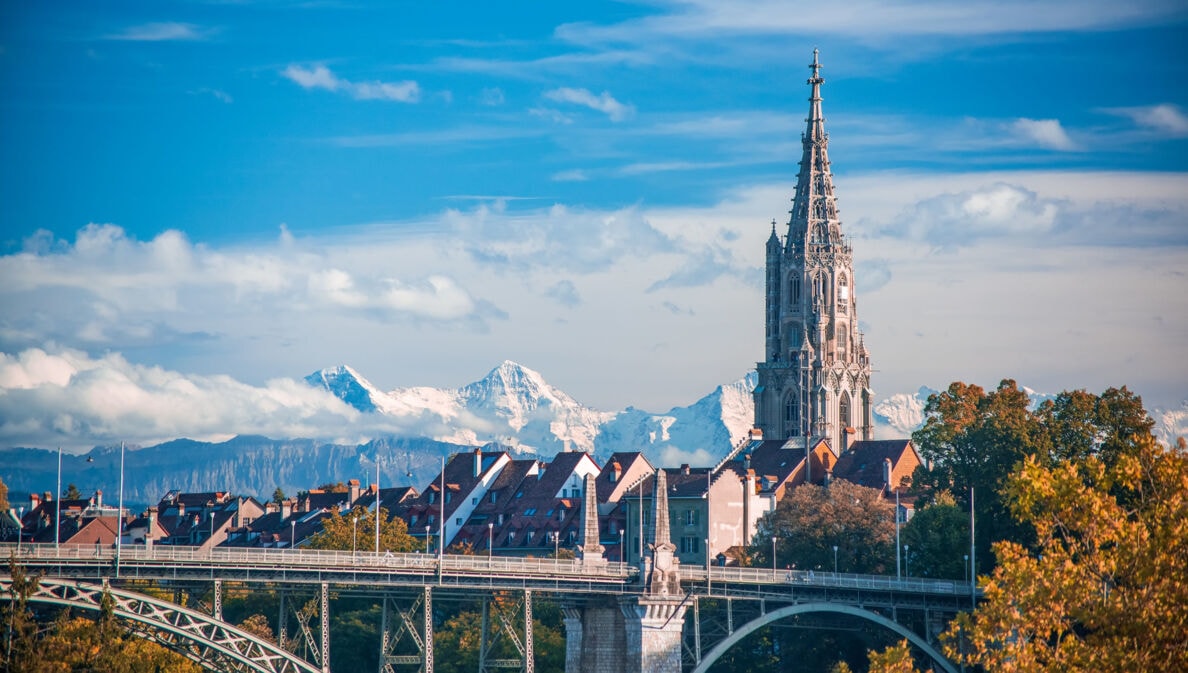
x=843, y=289
x=792, y=415
x=842, y=340
x=843, y=410
x=794, y=290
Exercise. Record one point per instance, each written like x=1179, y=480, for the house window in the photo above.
x=519, y=494
x=474, y=501
x=690, y=544
x=449, y=496
x=412, y=521
x=458, y=521
x=430, y=519
x=528, y=538
x=692, y=516
x=494, y=497
x=530, y=511
x=432, y=497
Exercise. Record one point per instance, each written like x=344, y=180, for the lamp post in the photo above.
x=907, y=561
x=354, y=535
x=622, y=550
x=20, y=527
x=292, y=534
x=211, y=538
x=120, y=514
x=377, y=501
x=708, y=580
x=773, y=553
x=58, y=506
x=897, y=575
x=490, y=542
x=556, y=544
x=966, y=564
x=835, y=561
x=426, y=538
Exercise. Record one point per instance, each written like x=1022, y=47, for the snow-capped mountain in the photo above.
x=515, y=406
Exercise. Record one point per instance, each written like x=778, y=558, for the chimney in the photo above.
x=887, y=474
x=685, y=468
x=850, y=434
x=181, y=509
x=98, y=498
x=616, y=471
x=152, y=527
x=286, y=508
x=354, y=491
x=478, y=461
x=34, y=501
x=747, y=464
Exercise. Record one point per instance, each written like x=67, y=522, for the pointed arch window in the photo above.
x=794, y=291
x=843, y=410
x=843, y=293
x=792, y=415
x=843, y=340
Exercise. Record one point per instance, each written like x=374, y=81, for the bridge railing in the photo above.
x=316, y=559
x=793, y=578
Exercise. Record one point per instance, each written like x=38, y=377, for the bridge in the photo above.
x=609, y=608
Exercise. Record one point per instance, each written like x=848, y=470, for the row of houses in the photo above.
x=494, y=502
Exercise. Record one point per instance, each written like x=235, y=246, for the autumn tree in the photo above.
x=3, y=496
x=356, y=531
x=1107, y=586
x=809, y=521
x=72, y=493
x=972, y=439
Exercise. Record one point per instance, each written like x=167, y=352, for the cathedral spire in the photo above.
x=814, y=208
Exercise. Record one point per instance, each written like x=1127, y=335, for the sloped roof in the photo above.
x=863, y=463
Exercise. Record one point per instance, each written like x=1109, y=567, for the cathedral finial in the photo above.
x=815, y=99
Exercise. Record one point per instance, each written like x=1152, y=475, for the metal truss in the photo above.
x=506, y=628
x=211, y=643
x=406, y=625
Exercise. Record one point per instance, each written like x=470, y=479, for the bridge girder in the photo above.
x=766, y=618
x=209, y=642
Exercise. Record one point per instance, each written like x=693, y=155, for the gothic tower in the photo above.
x=815, y=379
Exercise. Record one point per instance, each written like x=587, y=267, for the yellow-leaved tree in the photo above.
x=356, y=531
x=1106, y=588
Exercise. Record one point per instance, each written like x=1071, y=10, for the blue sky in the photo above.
x=255, y=190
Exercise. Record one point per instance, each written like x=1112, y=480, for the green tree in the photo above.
x=72, y=493
x=812, y=519
x=937, y=538
x=338, y=532
x=20, y=641
x=278, y=496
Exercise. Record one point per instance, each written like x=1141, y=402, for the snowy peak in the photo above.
x=349, y=386
x=515, y=393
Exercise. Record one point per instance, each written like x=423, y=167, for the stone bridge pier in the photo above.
x=613, y=634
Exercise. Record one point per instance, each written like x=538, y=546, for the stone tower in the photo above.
x=815, y=378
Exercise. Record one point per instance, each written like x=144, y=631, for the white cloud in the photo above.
x=492, y=96
x=571, y=175
x=160, y=32
x=1165, y=118
x=1068, y=268
x=604, y=102
x=321, y=77
x=1043, y=132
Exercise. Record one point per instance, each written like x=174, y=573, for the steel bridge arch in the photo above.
x=218, y=643
x=755, y=624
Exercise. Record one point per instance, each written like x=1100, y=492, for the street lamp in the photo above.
x=58, y=506
x=490, y=542
x=966, y=564
x=20, y=527
x=556, y=543
x=835, y=561
x=907, y=561
x=622, y=550
x=773, y=553
x=211, y=538
x=120, y=514
x=293, y=533
x=426, y=538
x=897, y=575
x=354, y=535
